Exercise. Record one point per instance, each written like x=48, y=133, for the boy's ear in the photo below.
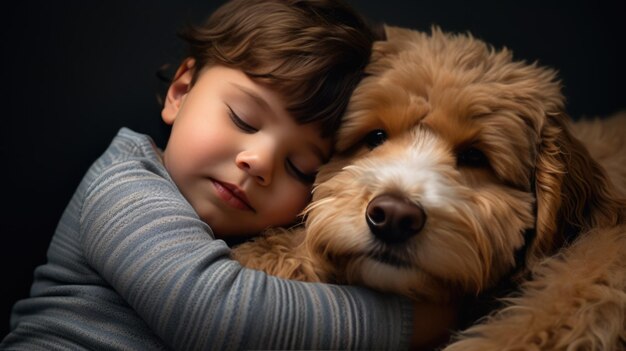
x=178, y=89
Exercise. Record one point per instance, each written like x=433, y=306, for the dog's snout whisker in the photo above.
x=393, y=218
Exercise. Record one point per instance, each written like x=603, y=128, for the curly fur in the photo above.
x=575, y=301
x=604, y=138
x=539, y=210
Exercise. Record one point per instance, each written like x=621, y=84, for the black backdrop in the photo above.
x=74, y=72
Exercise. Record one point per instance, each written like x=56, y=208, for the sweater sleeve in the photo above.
x=145, y=240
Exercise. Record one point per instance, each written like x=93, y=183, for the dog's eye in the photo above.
x=375, y=138
x=471, y=157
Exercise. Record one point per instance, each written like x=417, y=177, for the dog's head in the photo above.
x=453, y=159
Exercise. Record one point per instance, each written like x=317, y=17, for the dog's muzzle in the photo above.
x=394, y=219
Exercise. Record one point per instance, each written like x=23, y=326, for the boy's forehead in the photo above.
x=253, y=95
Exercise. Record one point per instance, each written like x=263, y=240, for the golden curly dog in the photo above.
x=457, y=179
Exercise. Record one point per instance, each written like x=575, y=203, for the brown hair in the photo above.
x=312, y=52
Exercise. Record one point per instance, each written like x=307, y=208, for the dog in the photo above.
x=457, y=179
x=604, y=138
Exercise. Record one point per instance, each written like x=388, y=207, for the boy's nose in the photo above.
x=256, y=165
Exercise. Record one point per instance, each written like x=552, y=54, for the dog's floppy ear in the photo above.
x=573, y=191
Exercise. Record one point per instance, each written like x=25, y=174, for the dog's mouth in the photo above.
x=389, y=258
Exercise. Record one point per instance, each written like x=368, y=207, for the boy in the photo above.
x=136, y=261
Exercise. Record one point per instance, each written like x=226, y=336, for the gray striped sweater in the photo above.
x=132, y=267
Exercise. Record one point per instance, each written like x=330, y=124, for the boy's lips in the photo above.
x=232, y=195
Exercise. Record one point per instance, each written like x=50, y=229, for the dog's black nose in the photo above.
x=393, y=218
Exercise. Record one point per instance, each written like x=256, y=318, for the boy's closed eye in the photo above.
x=240, y=122
x=291, y=166
x=306, y=178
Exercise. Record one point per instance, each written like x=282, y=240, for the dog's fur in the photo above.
x=481, y=144
x=604, y=138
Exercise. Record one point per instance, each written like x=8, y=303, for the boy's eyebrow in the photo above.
x=252, y=94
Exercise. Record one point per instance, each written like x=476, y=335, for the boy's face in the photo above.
x=236, y=154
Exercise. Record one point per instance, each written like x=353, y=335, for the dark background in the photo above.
x=75, y=72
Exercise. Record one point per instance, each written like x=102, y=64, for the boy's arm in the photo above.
x=142, y=236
